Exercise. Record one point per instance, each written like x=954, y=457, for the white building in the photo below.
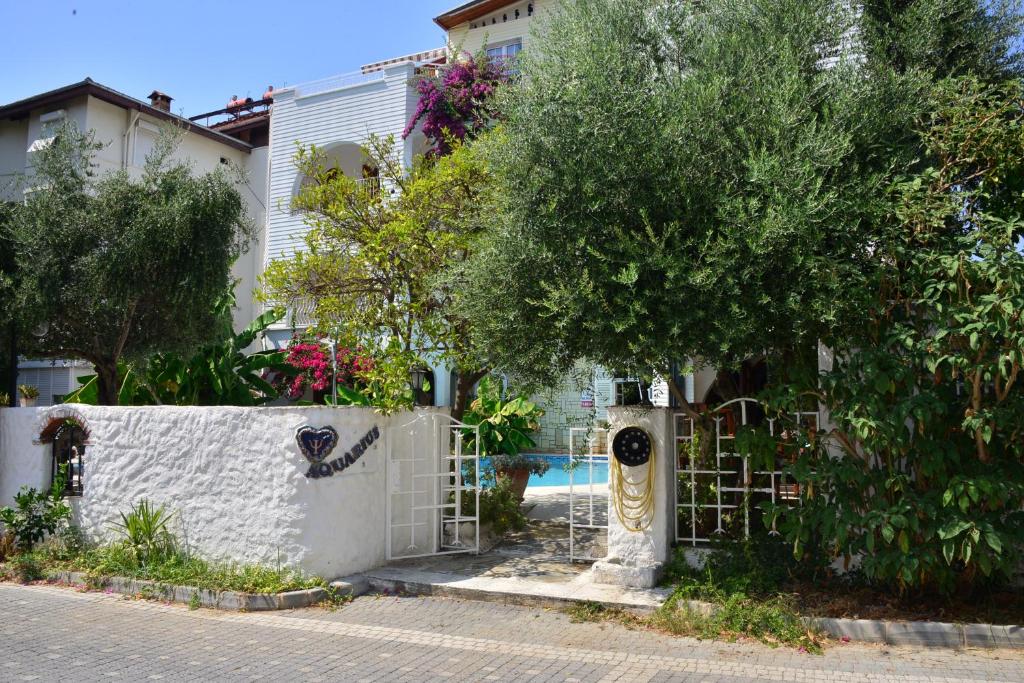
x=128, y=128
x=337, y=114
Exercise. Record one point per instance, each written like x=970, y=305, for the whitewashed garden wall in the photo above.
x=234, y=477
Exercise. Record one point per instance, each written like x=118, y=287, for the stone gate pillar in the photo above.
x=636, y=558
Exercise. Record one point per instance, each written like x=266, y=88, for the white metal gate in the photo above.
x=588, y=495
x=716, y=490
x=433, y=476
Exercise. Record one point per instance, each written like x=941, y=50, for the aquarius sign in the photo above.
x=317, y=444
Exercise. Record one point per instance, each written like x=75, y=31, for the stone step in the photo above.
x=553, y=591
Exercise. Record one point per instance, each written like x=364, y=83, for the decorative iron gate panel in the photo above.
x=433, y=479
x=588, y=497
x=717, y=490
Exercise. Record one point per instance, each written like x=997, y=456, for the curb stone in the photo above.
x=224, y=600
x=894, y=633
x=930, y=634
x=351, y=586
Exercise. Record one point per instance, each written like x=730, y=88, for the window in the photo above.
x=630, y=392
x=507, y=50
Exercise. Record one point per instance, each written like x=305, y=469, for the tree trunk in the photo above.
x=462, y=390
x=107, y=382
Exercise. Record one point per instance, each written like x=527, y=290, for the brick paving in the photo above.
x=50, y=634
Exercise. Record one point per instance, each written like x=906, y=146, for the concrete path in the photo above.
x=49, y=634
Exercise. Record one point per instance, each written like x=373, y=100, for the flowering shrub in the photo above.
x=457, y=103
x=313, y=361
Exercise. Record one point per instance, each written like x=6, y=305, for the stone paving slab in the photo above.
x=514, y=590
x=49, y=633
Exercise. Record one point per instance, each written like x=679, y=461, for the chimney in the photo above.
x=159, y=100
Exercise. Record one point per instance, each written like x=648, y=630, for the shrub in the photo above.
x=499, y=504
x=743, y=580
x=26, y=567
x=146, y=536
x=7, y=545
x=36, y=513
x=28, y=391
x=504, y=426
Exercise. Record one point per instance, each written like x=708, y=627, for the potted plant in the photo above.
x=29, y=394
x=518, y=469
x=5, y=399
x=504, y=428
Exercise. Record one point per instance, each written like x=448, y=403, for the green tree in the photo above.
x=218, y=374
x=694, y=180
x=374, y=266
x=118, y=267
x=8, y=311
x=927, y=406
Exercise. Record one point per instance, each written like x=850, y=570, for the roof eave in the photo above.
x=89, y=87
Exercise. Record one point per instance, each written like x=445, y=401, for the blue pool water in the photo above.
x=558, y=476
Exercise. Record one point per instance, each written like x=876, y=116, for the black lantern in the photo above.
x=421, y=380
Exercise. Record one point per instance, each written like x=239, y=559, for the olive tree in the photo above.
x=117, y=267
x=700, y=180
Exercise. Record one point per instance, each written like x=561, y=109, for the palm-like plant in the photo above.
x=218, y=374
x=146, y=533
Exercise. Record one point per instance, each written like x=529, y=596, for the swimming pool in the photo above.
x=558, y=476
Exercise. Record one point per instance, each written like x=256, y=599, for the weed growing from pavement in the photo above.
x=737, y=593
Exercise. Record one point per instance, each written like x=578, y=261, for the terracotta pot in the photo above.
x=520, y=479
x=27, y=402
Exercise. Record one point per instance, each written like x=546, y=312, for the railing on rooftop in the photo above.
x=233, y=113
x=336, y=82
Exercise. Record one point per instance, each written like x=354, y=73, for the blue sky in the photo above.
x=202, y=53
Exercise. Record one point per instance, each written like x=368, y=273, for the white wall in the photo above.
x=347, y=114
x=22, y=461
x=234, y=477
x=499, y=27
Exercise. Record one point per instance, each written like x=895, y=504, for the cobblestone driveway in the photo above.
x=51, y=633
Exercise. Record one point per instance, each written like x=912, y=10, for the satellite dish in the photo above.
x=41, y=329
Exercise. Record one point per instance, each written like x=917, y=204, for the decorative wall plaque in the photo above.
x=316, y=445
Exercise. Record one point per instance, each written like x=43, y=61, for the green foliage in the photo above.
x=36, y=513
x=743, y=582
x=945, y=37
x=371, y=271
x=120, y=267
x=217, y=374
x=927, y=406
x=717, y=205
x=28, y=391
x=504, y=426
x=499, y=508
x=150, y=551
x=27, y=567
x=179, y=569
x=772, y=620
x=146, y=534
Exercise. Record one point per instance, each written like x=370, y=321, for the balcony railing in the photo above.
x=337, y=82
